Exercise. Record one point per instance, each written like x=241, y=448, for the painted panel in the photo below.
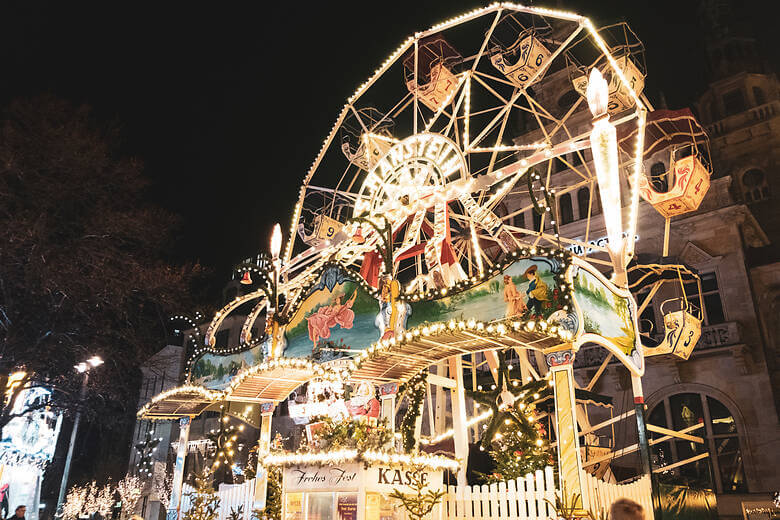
x=608, y=316
x=529, y=288
x=215, y=371
x=337, y=317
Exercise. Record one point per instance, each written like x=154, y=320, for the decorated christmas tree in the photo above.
x=513, y=437
x=204, y=500
x=223, y=440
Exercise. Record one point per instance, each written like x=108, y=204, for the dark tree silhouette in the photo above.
x=84, y=259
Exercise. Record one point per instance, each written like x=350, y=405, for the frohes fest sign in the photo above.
x=353, y=477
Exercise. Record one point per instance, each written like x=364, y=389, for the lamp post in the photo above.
x=83, y=368
x=603, y=142
x=276, y=248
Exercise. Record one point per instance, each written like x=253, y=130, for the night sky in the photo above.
x=227, y=103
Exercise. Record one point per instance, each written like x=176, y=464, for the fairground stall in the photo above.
x=406, y=269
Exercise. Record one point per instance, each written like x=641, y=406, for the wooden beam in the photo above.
x=682, y=462
x=438, y=380
x=657, y=429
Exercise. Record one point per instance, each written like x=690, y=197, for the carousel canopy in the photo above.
x=402, y=361
x=264, y=383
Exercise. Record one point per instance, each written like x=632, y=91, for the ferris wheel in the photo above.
x=473, y=126
x=436, y=156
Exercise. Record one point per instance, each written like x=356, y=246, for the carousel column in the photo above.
x=459, y=428
x=561, y=365
x=174, y=508
x=387, y=393
x=263, y=447
x=644, y=445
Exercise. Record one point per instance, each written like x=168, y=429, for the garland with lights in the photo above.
x=414, y=391
x=340, y=434
x=146, y=449
x=273, y=497
x=285, y=459
x=549, y=201
x=224, y=441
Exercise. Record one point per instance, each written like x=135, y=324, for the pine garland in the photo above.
x=414, y=391
x=336, y=434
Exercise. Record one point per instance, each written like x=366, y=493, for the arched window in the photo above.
x=759, y=96
x=658, y=177
x=754, y=186
x=565, y=211
x=520, y=220
x=721, y=440
x=583, y=201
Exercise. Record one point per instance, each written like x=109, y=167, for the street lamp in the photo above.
x=603, y=142
x=82, y=368
x=276, y=248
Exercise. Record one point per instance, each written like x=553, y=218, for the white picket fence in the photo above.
x=600, y=494
x=519, y=499
x=231, y=496
x=522, y=498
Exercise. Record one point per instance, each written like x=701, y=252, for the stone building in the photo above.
x=730, y=383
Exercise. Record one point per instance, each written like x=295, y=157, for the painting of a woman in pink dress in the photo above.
x=515, y=306
x=328, y=317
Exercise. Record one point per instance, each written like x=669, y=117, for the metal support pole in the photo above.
x=459, y=428
x=264, y=446
x=174, y=506
x=69, y=457
x=644, y=445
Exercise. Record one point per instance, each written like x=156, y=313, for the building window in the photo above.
x=713, y=311
x=566, y=101
x=583, y=201
x=733, y=102
x=520, y=220
x=754, y=186
x=658, y=177
x=721, y=440
x=759, y=96
x=565, y=211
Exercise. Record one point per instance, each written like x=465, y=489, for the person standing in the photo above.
x=19, y=513
x=626, y=509
x=537, y=290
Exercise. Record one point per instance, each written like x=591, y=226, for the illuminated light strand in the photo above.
x=467, y=113
x=508, y=148
x=370, y=456
x=209, y=395
x=477, y=251
x=634, y=209
x=615, y=66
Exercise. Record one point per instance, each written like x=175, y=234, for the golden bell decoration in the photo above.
x=246, y=279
